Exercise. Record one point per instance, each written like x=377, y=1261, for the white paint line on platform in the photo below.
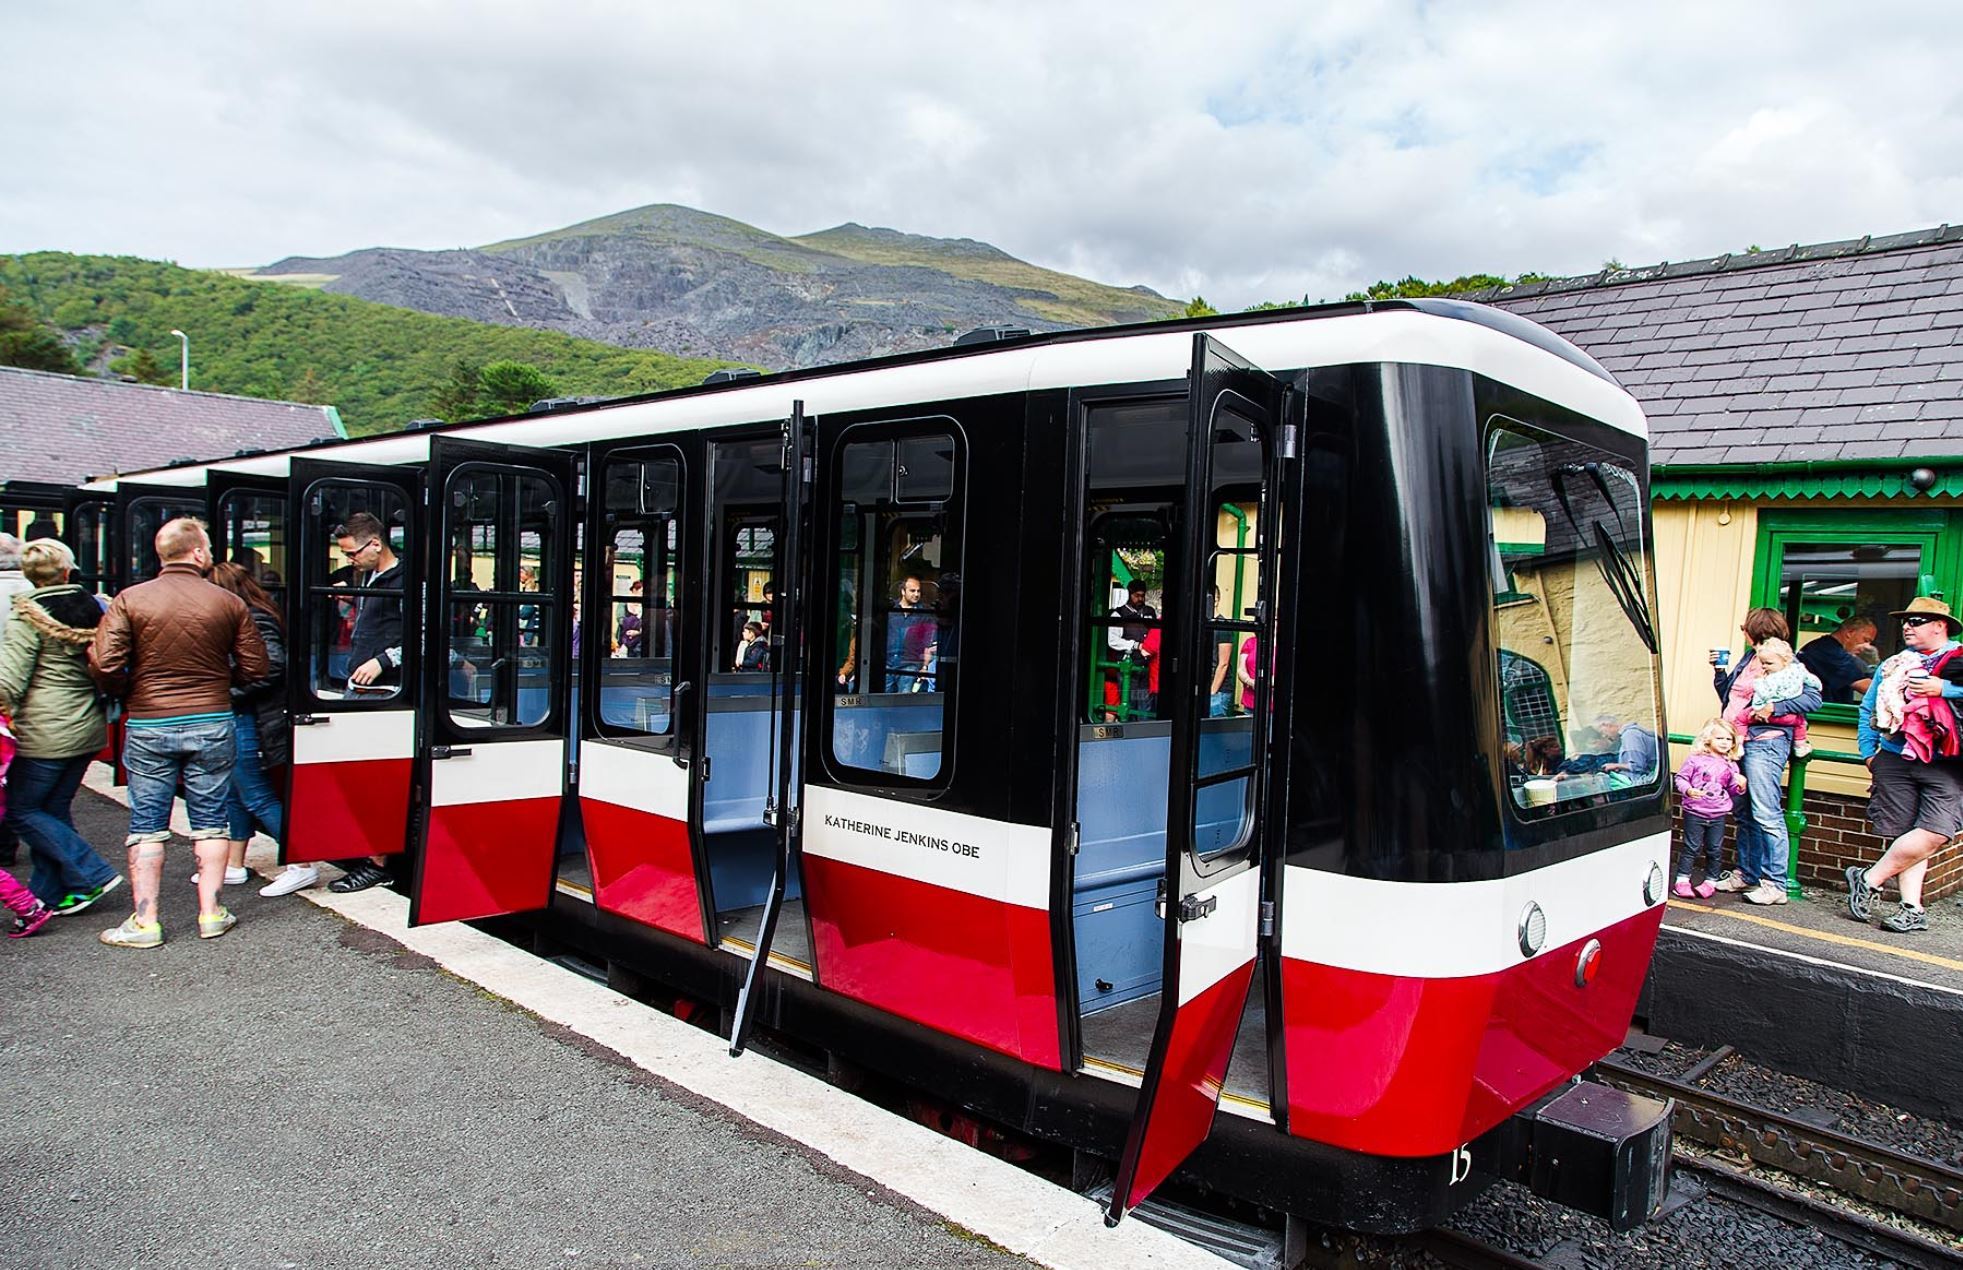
x=993, y=1198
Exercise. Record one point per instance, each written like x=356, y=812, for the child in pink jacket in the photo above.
x=30, y=914
x=1705, y=785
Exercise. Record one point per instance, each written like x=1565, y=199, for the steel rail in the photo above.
x=1465, y=1252
x=1906, y=1184
x=1852, y=1229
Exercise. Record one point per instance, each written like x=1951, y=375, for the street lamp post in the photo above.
x=184, y=361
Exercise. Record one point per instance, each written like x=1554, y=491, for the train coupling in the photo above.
x=1601, y=1151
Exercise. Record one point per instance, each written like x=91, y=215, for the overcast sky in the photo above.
x=1240, y=151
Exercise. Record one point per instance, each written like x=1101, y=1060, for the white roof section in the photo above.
x=1286, y=344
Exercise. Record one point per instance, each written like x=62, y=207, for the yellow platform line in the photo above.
x=1846, y=941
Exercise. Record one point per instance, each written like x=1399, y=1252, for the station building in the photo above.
x=57, y=431
x=1806, y=416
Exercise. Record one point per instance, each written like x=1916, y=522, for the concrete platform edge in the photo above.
x=1884, y=1036
x=976, y=1192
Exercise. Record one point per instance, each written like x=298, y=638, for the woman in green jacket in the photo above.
x=58, y=723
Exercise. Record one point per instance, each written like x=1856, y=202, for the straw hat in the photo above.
x=1925, y=606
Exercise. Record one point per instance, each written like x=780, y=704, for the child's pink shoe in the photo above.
x=1682, y=889
x=1706, y=889
x=27, y=923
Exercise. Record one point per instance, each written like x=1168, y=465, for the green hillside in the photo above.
x=379, y=365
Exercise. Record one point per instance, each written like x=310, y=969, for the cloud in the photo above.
x=1246, y=152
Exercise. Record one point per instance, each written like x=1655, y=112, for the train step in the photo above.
x=1239, y=1242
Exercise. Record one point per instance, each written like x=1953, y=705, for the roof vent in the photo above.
x=182, y=461
x=731, y=376
x=248, y=451
x=990, y=335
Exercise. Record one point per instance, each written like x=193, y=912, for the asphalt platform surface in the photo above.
x=306, y=1093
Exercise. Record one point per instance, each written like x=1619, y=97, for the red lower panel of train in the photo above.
x=483, y=859
x=971, y=967
x=1195, y=1069
x=1415, y=1067
x=641, y=867
x=343, y=810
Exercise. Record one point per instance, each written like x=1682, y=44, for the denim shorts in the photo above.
x=157, y=757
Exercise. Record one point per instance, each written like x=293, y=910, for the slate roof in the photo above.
x=66, y=429
x=1837, y=351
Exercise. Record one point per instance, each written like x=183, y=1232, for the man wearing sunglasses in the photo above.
x=1916, y=804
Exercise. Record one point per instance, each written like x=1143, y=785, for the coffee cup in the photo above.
x=1721, y=657
x=1539, y=792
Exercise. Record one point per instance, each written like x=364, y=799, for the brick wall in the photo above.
x=1836, y=836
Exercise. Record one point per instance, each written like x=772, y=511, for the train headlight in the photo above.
x=1653, y=884
x=1533, y=930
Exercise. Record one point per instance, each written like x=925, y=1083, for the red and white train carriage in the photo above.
x=1351, y=827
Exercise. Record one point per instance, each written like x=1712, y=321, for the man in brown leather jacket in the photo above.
x=172, y=648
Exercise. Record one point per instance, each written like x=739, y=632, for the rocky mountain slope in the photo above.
x=696, y=284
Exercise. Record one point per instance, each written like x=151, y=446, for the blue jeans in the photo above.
x=40, y=792
x=1764, y=763
x=157, y=757
x=250, y=796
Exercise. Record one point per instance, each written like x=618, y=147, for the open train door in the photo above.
x=1212, y=895
x=354, y=724
x=783, y=810
x=640, y=738
x=141, y=510
x=89, y=527
x=495, y=666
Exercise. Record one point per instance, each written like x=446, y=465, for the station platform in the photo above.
x=325, y=1087
x=1805, y=988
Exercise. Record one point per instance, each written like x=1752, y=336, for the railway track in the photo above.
x=1925, y=1190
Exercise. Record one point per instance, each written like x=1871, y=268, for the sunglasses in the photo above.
x=1922, y=620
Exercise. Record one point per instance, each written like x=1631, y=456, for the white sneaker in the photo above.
x=1765, y=893
x=296, y=877
x=235, y=875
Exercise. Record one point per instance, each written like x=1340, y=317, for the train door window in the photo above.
x=94, y=560
x=146, y=517
x=896, y=583
x=1566, y=521
x=642, y=556
x=503, y=597
x=1127, y=614
x=1231, y=580
x=355, y=591
x=749, y=595
x=251, y=531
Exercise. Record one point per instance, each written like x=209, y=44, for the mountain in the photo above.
x=380, y=365
x=693, y=283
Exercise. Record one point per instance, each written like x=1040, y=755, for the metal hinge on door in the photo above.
x=1193, y=907
x=1267, y=918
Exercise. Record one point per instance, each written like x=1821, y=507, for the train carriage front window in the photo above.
x=1573, y=617
x=641, y=530
x=895, y=620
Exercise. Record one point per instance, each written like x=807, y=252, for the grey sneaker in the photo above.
x=1860, y=896
x=1730, y=881
x=1906, y=920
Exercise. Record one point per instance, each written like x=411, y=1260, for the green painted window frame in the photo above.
x=1938, y=532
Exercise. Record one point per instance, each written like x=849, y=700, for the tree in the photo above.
x=143, y=367
x=1198, y=307
x=308, y=388
x=24, y=342
x=510, y=387
x=455, y=399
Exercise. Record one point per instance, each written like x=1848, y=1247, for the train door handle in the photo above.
x=1193, y=907
x=449, y=751
x=311, y=720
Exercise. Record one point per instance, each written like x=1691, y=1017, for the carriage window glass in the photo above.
x=1135, y=473
x=355, y=580
x=896, y=588
x=1576, y=668
x=503, y=595
x=146, y=517
x=1233, y=664
x=642, y=561
x=93, y=560
x=251, y=531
